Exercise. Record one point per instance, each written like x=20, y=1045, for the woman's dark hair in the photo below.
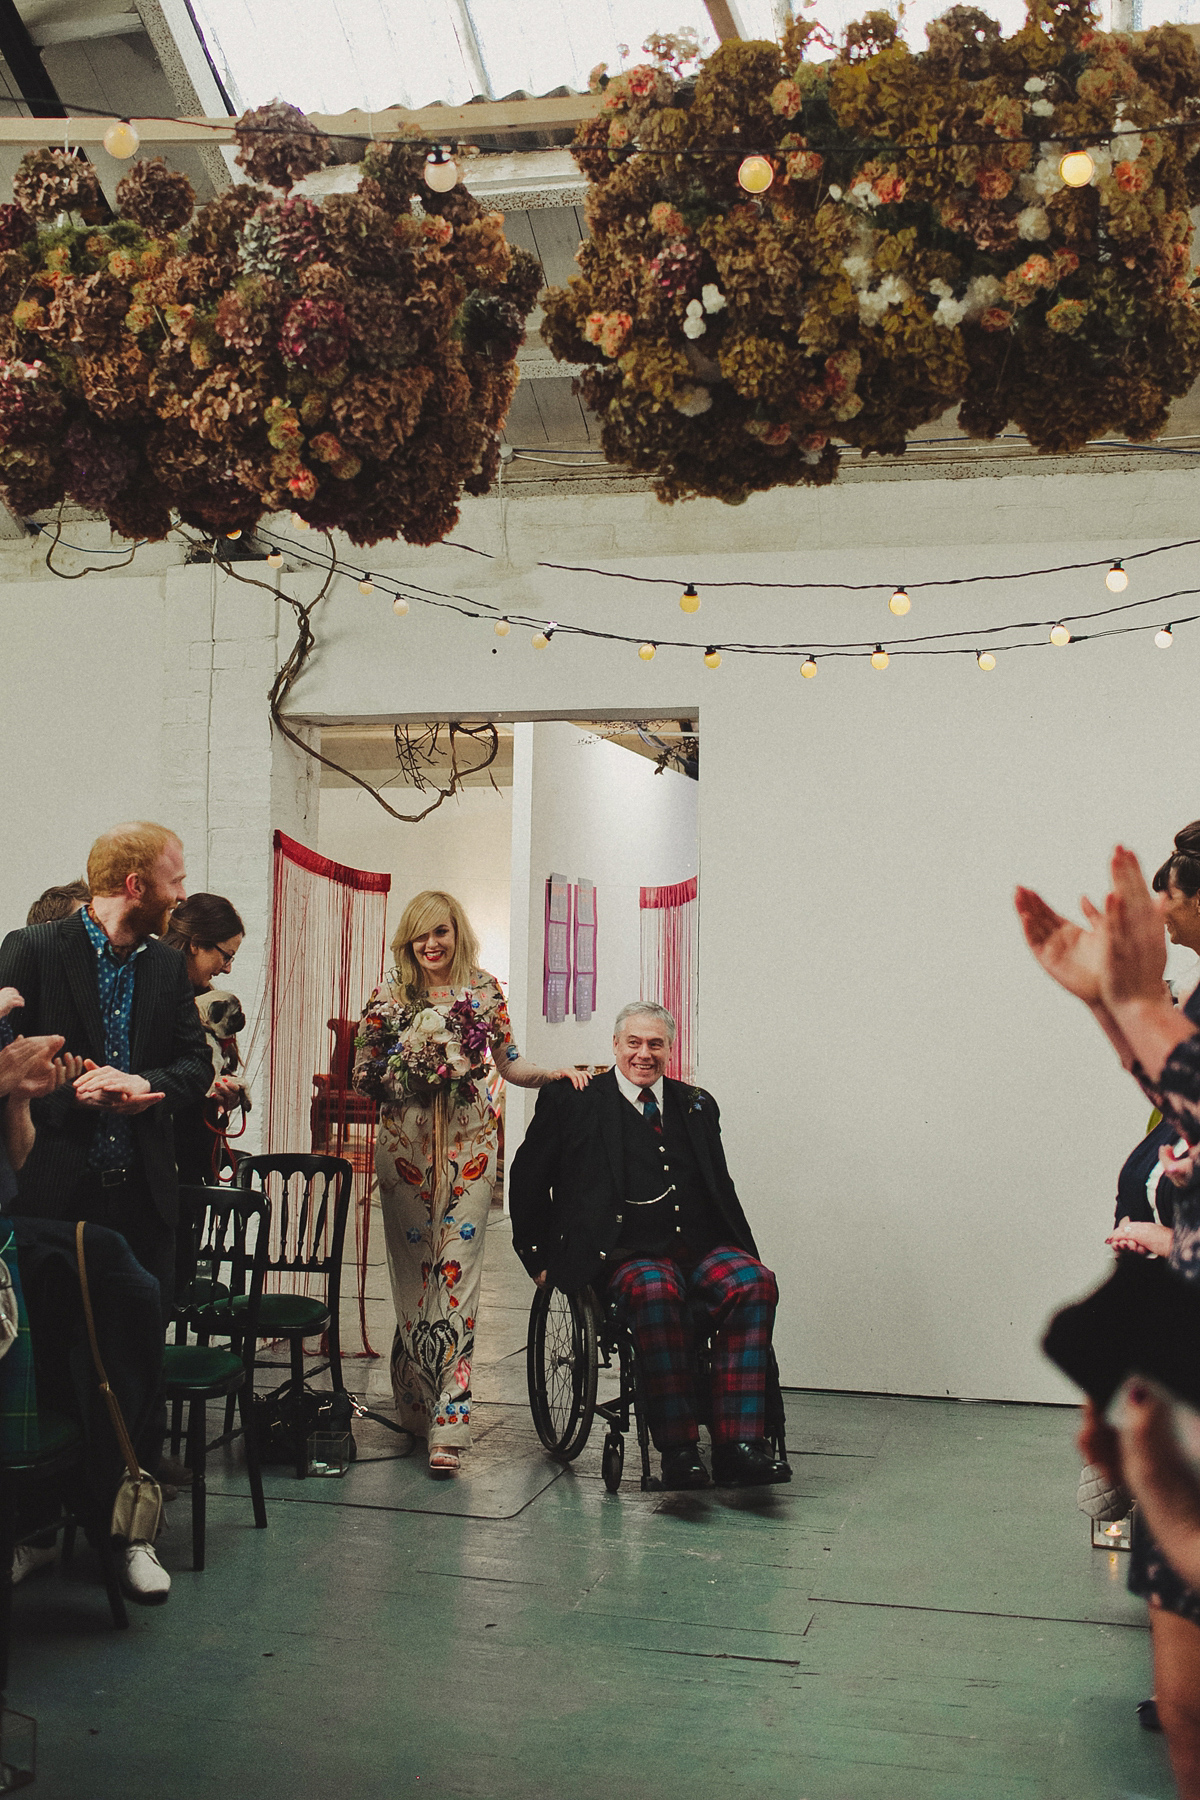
x=204, y=919
x=1183, y=865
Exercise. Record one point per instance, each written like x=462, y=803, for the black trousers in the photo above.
x=130, y=1209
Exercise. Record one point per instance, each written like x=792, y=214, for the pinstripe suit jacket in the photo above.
x=54, y=967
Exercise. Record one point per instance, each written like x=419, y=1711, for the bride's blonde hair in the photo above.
x=424, y=913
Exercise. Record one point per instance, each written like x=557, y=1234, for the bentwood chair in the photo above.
x=309, y=1199
x=222, y=1299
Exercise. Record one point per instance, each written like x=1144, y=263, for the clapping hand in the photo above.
x=31, y=1067
x=1073, y=955
x=1134, y=935
x=114, y=1090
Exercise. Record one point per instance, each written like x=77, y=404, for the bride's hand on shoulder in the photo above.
x=578, y=1078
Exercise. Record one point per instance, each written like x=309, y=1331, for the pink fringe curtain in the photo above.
x=327, y=947
x=670, y=923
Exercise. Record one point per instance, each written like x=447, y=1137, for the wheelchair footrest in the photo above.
x=651, y=1484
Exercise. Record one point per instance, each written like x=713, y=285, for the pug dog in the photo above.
x=222, y=1018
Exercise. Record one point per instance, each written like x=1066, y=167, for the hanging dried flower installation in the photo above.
x=903, y=238
x=353, y=360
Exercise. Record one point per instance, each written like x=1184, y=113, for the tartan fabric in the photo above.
x=18, y=1393
x=651, y=1113
x=739, y=1296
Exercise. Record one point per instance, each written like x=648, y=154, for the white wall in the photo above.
x=602, y=814
x=925, y=1132
x=462, y=848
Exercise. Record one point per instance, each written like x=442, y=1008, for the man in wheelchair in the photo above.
x=623, y=1185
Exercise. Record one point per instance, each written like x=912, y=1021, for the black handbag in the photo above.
x=283, y=1418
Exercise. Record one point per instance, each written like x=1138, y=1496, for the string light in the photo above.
x=541, y=638
x=929, y=644
x=366, y=587
x=755, y=174
x=899, y=603
x=299, y=524
x=1116, y=581
x=121, y=140
x=1076, y=168
x=1164, y=638
x=441, y=170
x=236, y=533
x=712, y=658
x=646, y=652
x=274, y=559
x=399, y=606
x=689, y=600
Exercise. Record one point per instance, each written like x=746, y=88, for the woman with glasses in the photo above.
x=208, y=933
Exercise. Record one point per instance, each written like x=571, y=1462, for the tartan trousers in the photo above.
x=739, y=1296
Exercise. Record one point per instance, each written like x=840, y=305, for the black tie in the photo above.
x=651, y=1113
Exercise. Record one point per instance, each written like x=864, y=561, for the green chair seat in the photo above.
x=287, y=1312
x=56, y=1433
x=196, y=1366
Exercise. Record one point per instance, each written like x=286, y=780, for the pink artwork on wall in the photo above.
x=585, y=949
x=556, y=957
x=670, y=964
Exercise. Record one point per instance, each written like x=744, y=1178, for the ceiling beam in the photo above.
x=78, y=31
x=725, y=21
x=454, y=124
x=25, y=65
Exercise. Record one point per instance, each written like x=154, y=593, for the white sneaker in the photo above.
x=28, y=1557
x=142, y=1575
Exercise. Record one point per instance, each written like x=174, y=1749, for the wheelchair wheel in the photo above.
x=613, y=1461
x=561, y=1366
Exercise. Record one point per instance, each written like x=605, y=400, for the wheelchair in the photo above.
x=571, y=1338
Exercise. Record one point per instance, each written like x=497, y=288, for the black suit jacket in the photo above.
x=54, y=967
x=566, y=1186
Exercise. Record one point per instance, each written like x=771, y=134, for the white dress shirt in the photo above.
x=633, y=1093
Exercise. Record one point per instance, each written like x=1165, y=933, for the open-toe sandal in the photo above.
x=443, y=1460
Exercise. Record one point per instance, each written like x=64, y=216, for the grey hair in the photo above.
x=646, y=1009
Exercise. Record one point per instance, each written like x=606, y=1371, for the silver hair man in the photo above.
x=645, y=1009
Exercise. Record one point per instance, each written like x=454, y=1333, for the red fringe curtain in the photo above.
x=670, y=923
x=327, y=948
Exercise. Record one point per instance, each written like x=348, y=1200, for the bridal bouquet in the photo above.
x=421, y=1050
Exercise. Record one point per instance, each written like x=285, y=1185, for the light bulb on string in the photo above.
x=899, y=603
x=647, y=651
x=366, y=587
x=985, y=659
x=502, y=628
x=274, y=559
x=1059, y=635
x=399, y=606
x=299, y=524
x=879, y=657
x=441, y=170
x=712, y=657
x=1164, y=638
x=755, y=174
x=689, y=600
x=1076, y=168
x=1116, y=581
x=541, y=638
x=808, y=667
x=234, y=534
x=121, y=140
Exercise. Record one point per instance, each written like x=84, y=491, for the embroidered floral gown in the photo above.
x=435, y=1219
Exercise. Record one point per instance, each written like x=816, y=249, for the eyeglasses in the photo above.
x=227, y=956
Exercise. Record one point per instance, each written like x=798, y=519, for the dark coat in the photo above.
x=566, y=1186
x=54, y=967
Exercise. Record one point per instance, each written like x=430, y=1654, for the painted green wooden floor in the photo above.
x=918, y=1617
